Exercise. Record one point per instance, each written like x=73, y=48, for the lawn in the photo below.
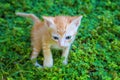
x=94, y=55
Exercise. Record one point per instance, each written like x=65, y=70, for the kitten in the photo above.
x=54, y=32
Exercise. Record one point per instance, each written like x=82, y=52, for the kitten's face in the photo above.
x=63, y=29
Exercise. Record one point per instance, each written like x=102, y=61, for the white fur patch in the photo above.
x=38, y=65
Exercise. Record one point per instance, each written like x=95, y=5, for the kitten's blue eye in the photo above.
x=55, y=37
x=68, y=37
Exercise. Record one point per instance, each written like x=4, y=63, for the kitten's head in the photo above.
x=63, y=28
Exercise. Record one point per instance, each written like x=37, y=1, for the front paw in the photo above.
x=65, y=62
x=48, y=63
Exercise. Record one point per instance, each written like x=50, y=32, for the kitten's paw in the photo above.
x=48, y=64
x=65, y=62
x=38, y=65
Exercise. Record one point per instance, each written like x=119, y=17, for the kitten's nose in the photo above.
x=62, y=44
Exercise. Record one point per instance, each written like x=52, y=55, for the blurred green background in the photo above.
x=95, y=54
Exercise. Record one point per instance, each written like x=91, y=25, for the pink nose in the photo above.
x=61, y=44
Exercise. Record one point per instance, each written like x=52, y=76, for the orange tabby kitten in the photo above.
x=54, y=32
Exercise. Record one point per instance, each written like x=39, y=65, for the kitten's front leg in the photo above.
x=48, y=60
x=65, y=55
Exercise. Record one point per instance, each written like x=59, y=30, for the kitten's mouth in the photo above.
x=62, y=46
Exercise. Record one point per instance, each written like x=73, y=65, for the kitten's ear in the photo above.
x=49, y=20
x=76, y=21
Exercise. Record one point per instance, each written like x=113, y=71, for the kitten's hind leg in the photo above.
x=36, y=44
x=34, y=57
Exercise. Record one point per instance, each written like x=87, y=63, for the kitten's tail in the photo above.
x=32, y=16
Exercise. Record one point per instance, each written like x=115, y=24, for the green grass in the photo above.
x=95, y=54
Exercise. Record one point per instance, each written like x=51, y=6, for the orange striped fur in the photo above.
x=54, y=32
